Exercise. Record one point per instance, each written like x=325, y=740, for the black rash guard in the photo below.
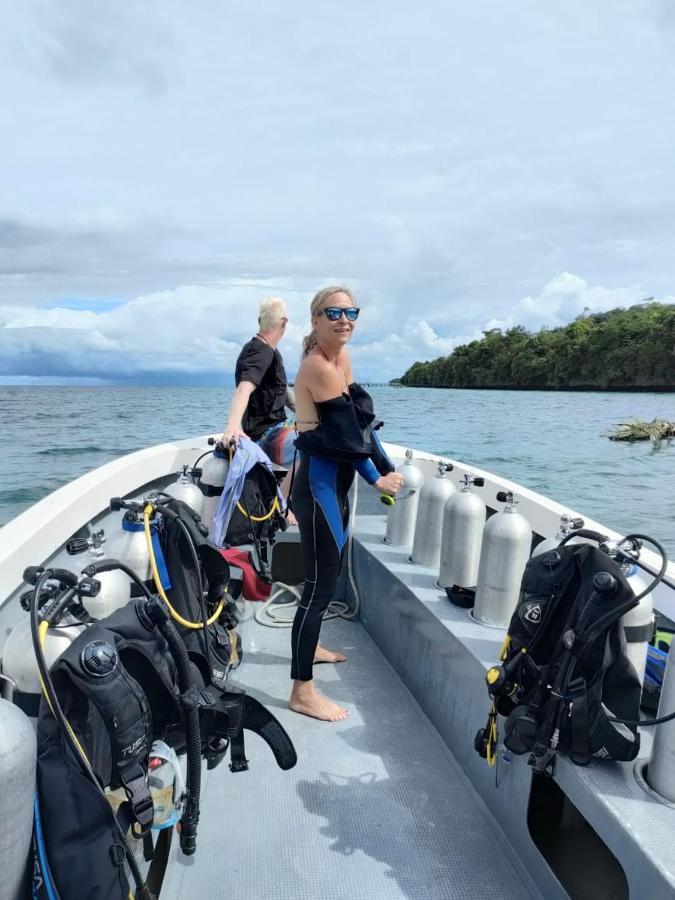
x=263, y=366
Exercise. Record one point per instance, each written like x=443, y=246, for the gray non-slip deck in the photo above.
x=375, y=808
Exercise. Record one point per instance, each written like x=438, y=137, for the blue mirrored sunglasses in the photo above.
x=333, y=313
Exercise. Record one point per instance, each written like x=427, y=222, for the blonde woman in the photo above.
x=336, y=438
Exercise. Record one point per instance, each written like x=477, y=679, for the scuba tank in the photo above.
x=186, y=490
x=462, y=536
x=433, y=496
x=567, y=524
x=19, y=665
x=401, y=516
x=115, y=585
x=638, y=623
x=129, y=546
x=212, y=480
x=17, y=785
x=507, y=538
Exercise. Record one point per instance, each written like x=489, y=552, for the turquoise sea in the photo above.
x=550, y=442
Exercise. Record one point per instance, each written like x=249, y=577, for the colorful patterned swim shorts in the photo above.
x=278, y=442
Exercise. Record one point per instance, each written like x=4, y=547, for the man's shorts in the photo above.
x=278, y=442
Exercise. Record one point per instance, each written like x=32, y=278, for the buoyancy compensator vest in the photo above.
x=257, y=514
x=565, y=682
x=199, y=577
x=125, y=683
x=118, y=690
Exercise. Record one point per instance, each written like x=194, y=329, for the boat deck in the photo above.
x=376, y=807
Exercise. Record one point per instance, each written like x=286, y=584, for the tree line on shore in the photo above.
x=623, y=349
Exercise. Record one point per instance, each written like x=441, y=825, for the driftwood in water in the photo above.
x=636, y=430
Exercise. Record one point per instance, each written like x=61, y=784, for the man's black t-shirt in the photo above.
x=264, y=367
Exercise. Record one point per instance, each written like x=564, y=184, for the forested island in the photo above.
x=620, y=350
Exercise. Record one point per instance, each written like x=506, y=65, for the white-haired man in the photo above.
x=259, y=401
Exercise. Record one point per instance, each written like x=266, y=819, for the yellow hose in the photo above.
x=273, y=508
x=147, y=512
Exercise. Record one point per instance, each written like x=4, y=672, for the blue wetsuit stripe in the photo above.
x=323, y=484
x=367, y=470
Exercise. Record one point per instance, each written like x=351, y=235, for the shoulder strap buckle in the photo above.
x=136, y=788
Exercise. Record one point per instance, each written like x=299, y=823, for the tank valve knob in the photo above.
x=479, y=482
x=504, y=496
x=116, y=504
x=77, y=545
x=196, y=473
x=408, y=456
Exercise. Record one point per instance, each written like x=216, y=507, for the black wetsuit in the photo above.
x=343, y=442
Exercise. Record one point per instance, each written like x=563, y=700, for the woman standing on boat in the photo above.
x=335, y=438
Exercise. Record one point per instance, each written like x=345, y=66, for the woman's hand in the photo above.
x=390, y=484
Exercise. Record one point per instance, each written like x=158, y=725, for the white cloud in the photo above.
x=564, y=298
x=199, y=330
x=194, y=329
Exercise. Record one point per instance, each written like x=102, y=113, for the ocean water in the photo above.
x=550, y=442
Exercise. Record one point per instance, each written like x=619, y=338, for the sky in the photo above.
x=164, y=166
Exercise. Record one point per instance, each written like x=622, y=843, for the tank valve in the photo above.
x=509, y=499
x=93, y=543
x=470, y=479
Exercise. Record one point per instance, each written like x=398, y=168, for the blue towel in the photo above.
x=246, y=455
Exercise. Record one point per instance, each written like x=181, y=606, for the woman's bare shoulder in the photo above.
x=314, y=365
x=319, y=377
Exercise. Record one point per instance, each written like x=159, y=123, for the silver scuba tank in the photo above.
x=214, y=472
x=115, y=585
x=567, y=524
x=129, y=545
x=186, y=490
x=19, y=665
x=426, y=550
x=401, y=516
x=661, y=768
x=462, y=536
x=18, y=754
x=507, y=540
x=639, y=622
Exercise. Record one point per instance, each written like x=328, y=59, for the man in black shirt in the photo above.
x=260, y=396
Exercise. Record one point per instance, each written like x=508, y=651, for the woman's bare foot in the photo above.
x=290, y=518
x=307, y=700
x=323, y=655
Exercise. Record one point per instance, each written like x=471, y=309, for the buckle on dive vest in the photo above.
x=138, y=794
